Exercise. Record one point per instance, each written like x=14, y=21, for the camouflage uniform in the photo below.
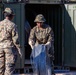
x=39, y=36
x=42, y=36
x=8, y=43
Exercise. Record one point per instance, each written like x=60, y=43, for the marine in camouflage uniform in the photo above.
x=8, y=43
x=42, y=35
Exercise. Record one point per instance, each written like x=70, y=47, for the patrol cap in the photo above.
x=8, y=11
x=39, y=18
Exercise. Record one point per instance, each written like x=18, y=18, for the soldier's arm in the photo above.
x=50, y=44
x=16, y=39
x=50, y=37
x=32, y=38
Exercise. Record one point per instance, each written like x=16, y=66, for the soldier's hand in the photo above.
x=20, y=53
x=48, y=45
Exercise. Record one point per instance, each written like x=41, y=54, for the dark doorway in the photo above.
x=53, y=15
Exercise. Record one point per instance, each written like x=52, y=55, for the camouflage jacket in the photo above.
x=41, y=36
x=8, y=34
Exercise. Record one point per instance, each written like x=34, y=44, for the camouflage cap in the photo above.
x=39, y=18
x=8, y=11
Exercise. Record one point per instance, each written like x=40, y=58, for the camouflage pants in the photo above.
x=7, y=61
